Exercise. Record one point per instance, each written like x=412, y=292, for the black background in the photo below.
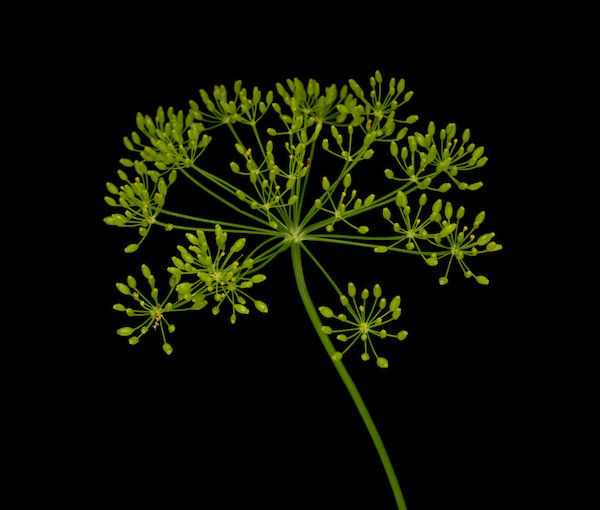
x=254, y=414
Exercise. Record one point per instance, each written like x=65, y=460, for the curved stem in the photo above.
x=350, y=386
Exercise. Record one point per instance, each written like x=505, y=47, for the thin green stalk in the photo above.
x=350, y=386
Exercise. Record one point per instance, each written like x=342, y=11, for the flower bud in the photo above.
x=394, y=149
x=401, y=200
x=460, y=213
x=444, y=187
x=130, y=248
x=123, y=289
x=351, y=289
x=475, y=186
x=365, y=294
x=479, y=219
x=241, y=309
x=131, y=282
x=485, y=238
x=363, y=229
x=347, y=180
x=344, y=300
x=325, y=183
x=365, y=356
x=448, y=211
x=258, y=278
x=395, y=303
x=261, y=306
x=422, y=199
x=402, y=335
x=326, y=312
x=388, y=173
x=482, y=280
x=382, y=362
x=380, y=249
x=238, y=245
x=337, y=356
x=167, y=348
x=327, y=330
x=377, y=291
x=126, y=331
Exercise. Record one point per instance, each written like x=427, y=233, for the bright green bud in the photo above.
x=258, y=278
x=401, y=200
x=125, y=331
x=413, y=118
x=184, y=288
x=347, y=181
x=420, y=139
x=112, y=188
x=325, y=144
x=485, y=238
x=130, y=248
x=131, y=282
x=351, y=289
x=241, y=309
x=387, y=214
x=344, y=300
x=395, y=303
x=119, y=307
x=402, y=335
x=437, y=206
x=460, y=213
x=235, y=168
x=445, y=187
x=365, y=356
x=365, y=294
x=382, y=362
x=482, y=280
x=146, y=271
x=133, y=340
x=261, y=306
x=167, y=348
x=448, y=211
x=380, y=249
x=466, y=135
x=337, y=356
x=326, y=312
x=388, y=173
x=325, y=183
x=475, y=186
x=123, y=289
x=377, y=291
x=481, y=162
x=363, y=229
x=327, y=330
x=238, y=245
x=394, y=149
x=422, y=199
x=368, y=154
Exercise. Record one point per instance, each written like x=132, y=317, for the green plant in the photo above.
x=267, y=185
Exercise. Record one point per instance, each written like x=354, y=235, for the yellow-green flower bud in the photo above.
x=377, y=291
x=482, y=280
x=351, y=289
x=123, y=289
x=325, y=183
x=402, y=335
x=126, y=331
x=337, y=356
x=326, y=312
x=395, y=303
x=167, y=348
x=382, y=362
x=365, y=294
x=261, y=306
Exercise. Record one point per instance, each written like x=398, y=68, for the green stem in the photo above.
x=350, y=386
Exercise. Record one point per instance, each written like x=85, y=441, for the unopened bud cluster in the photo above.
x=363, y=321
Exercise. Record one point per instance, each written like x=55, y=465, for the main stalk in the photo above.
x=296, y=250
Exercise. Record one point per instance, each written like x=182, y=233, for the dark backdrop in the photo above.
x=254, y=414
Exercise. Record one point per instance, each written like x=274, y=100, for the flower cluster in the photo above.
x=448, y=157
x=221, y=276
x=449, y=240
x=149, y=308
x=142, y=199
x=364, y=322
